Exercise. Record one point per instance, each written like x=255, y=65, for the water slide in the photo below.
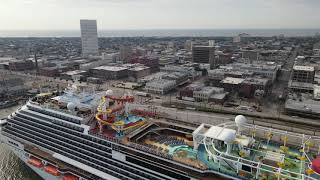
x=110, y=112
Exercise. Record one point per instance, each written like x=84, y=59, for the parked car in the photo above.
x=245, y=108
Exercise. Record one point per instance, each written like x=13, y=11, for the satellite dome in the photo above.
x=240, y=120
x=228, y=136
x=109, y=92
x=74, y=86
x=71, y=106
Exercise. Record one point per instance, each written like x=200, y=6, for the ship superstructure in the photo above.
x=78, y=135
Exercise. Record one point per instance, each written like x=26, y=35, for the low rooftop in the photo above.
x=111, y=68
x=303, y=68
x=230, y=80
x=139, y=68
x=303, y=102
x=160, y=82
x=256, y=81
x=71, y=73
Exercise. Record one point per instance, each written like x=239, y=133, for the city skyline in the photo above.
x=165, y=14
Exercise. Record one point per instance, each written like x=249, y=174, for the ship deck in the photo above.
x=171, y=141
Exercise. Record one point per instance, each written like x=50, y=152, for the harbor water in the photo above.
x=11, y=167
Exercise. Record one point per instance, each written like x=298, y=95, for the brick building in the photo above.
x=21, y=65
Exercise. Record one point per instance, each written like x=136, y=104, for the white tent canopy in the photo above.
x=222, y=134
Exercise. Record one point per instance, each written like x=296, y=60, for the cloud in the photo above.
x=90, y=3
x=139, y=14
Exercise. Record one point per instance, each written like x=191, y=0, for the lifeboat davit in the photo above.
x=52, y=170
x=35, y=162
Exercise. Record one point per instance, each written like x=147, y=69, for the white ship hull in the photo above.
x=22, y=155
x=40, y=172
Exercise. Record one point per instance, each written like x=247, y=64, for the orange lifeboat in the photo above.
x=35, y=162
x=52, y=170
x=70, y=177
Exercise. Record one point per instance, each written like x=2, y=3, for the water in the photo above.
x=165, y=32
x=11, y=167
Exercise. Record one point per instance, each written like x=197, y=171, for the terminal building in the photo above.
x=304, y=105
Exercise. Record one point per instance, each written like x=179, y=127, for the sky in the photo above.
x=159, y=14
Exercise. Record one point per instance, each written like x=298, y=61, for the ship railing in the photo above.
x=136, y=128
x=52, y=106
x=252, y=164
x=153, y=151
x=141, y=129
x=112, y=139
x=49, y=105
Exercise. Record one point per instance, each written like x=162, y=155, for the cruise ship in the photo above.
x=78, y=135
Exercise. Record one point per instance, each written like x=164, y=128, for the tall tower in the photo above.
x=89, y=37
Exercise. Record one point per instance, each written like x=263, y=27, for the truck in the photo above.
x=188, y=99
x=143, y=94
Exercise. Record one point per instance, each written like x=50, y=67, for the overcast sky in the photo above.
x=156, y=14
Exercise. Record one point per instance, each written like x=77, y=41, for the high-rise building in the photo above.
x=302, y=79
x=171, y=45
x=205, y=55
x=188, y=45
x=125, y=53
x=237, y=39
x=89, y=37
x=251, y=55
x=303, y=74
x=212, y=42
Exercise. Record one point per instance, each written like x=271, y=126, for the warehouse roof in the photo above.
x=110, y=68
x=230, y=80
x=303, y=68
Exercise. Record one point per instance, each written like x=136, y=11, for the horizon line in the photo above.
x=150, y=29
